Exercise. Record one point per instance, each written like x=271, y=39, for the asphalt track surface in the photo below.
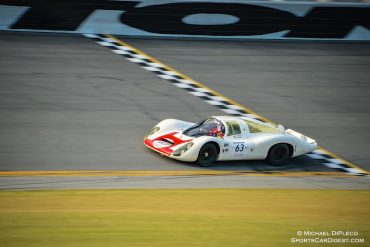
x=67, y=103
x=319, y=89
x=176, y=182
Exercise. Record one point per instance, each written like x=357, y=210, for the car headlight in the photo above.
x=183, y=149
x=151, y=132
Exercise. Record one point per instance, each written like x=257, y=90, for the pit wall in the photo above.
x=192, y=19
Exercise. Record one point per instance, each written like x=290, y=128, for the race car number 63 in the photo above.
x=239, y=148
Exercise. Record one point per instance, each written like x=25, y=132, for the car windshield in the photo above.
x=209, y=127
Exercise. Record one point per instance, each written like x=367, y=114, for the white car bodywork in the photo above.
x=249, y=144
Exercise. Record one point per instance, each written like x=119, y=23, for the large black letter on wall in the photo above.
x=167, y=19
x=64, y=15
x=330, y=22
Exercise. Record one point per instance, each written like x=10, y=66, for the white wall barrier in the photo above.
x=192, y=19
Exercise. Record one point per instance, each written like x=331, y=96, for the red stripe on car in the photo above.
x=167, y=137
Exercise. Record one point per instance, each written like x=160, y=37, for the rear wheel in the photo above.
x=207, y=155
x=278, y=154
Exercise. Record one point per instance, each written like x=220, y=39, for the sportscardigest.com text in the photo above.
x=327, y=237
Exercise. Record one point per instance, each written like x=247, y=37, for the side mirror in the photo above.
x=280, y=128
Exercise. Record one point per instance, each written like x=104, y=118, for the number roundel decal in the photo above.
x=239, y=149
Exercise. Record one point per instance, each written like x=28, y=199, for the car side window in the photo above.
x=233, y=128
x=257, y=128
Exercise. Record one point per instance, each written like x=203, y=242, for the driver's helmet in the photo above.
x=218, y=130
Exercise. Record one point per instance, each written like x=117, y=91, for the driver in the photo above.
x=217, y=131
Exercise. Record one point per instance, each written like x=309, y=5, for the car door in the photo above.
x=236, y=139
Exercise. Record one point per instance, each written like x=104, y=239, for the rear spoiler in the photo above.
x=300, y=136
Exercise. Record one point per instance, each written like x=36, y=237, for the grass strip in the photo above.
x=178, y=217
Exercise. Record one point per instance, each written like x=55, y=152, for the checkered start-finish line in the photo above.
x=207, y=95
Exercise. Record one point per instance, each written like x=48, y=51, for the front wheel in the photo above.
x=207, y=155
x=278, y=154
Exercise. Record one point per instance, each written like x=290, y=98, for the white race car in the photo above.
x=226, y=138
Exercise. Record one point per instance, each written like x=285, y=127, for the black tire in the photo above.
x=278, y=154
x=207, y=155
